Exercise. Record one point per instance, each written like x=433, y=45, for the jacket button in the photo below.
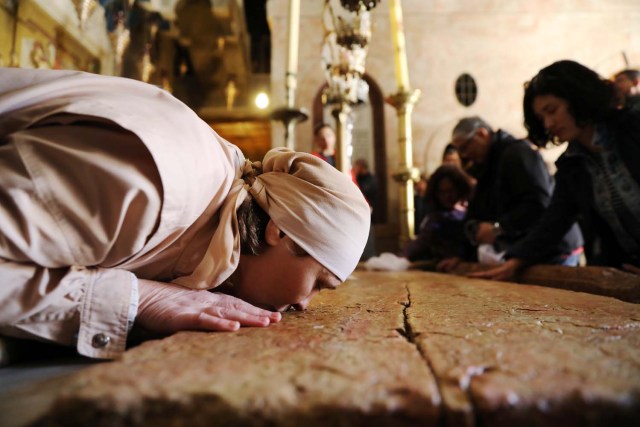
x=100, y=340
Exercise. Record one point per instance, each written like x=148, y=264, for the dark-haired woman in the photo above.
x=441, y=232
x=598, y=177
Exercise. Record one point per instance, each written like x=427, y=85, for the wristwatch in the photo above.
x=497, y=229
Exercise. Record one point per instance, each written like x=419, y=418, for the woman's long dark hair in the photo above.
x=591, y=98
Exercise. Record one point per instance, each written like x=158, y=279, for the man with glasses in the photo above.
x=513, y=190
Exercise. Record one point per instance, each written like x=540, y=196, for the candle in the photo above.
x=397, y=37
x=294, y=28
x=292, y=57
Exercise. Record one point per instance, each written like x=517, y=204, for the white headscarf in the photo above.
x=318, y=207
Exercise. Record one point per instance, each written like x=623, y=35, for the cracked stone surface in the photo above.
x=506, y=354
x=410, y=348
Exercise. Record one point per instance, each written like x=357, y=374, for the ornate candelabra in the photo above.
x=346, y=41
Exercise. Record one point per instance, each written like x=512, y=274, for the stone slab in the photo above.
x=408, y=348
x=606, y=281
x=345, y=362
x=507, y=354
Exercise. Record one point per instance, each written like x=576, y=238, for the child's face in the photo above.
x=447, y=194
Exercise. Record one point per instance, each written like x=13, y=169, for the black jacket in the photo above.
x=574, y=199
x=514, y=189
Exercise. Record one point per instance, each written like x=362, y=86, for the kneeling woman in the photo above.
x=598, y=178
x=119, y=205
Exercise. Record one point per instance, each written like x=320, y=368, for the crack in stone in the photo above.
x=408, y=333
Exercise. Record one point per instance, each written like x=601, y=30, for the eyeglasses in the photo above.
x=462, y=143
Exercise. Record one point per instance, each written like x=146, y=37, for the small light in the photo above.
x=262, y=100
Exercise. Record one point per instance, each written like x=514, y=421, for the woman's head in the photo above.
x=448, y=185
x=302, y=229
x=325, y=137
x=582, y=96
x=626, y=83
x=280, y=275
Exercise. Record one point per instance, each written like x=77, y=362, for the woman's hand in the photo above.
x=506, y=271
x=448, y=264
x=168, y=308
x=486, y=233
x=630, y=268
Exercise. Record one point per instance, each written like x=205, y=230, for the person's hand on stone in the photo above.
x=168, y=308
x=485, y=233
x=630, y=268
x=448, y=264
x=504, y=272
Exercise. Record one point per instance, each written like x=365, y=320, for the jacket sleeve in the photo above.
x=527, y=187
x=76, y=200
x=91, y=308
x=554, y=224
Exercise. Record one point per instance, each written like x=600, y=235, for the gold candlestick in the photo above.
x=399, y=47
x=292, y=51
x=344, y=124
x=406, y=175
x=289, y=115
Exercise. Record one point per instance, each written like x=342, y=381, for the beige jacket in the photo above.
x=104, y=180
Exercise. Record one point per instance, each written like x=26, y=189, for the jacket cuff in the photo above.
x=108, y=309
